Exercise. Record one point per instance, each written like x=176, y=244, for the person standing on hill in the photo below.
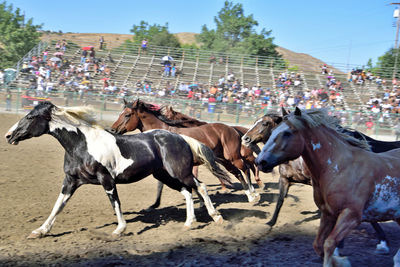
x=101, y=42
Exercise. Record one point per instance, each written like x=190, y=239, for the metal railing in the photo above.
x=109, y=107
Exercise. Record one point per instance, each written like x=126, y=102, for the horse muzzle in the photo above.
x=265, y=165
x=10, y=139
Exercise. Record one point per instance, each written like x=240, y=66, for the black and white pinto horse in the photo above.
x=95, y=156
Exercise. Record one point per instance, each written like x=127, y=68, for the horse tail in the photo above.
x=202, y=154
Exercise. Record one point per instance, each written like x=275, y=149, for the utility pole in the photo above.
x=396, y=47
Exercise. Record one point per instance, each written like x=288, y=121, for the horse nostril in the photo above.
x=7, y=136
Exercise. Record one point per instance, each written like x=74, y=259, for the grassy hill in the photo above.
x=305, y=62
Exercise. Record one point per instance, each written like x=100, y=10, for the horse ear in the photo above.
x=135, y=104
x=284, y=112
x=125, y=102
x=297, y=112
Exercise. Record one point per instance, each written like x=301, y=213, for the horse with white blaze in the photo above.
x=96, y=156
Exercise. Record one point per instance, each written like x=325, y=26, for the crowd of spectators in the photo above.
x=54, y=72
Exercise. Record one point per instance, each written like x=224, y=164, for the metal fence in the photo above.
x=109, y=107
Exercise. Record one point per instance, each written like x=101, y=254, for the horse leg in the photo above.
x=246, y=170
x=156, y=204
x=326, y=225
x=382, y=247
x=256, y=173
x=346, y=221
x=67, y=190
x=179, y=184
x=202, y=190
x=236, y=172
x=109, y=186
x=283, y=190
x=190, y=217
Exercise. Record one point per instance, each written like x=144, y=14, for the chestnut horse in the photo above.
x=188, y=121
x=295, y=171
x=222, y=139
x=344, y=196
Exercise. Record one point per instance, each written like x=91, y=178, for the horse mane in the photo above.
x=274, y=115
x=319, y=117
x=83, y=115
x=185, y=118
x=156, y=111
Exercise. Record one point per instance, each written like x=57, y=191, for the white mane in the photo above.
x=76, y=116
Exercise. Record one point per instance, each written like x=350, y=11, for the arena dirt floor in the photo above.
x=31, y=177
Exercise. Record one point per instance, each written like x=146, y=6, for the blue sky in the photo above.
x=340, y=32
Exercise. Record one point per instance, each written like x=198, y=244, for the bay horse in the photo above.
x=222, y=139
x=96, y=156
x=188, y=121
x=344, y=196
x=296, y=171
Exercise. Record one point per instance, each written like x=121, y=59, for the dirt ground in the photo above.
x=31, y=177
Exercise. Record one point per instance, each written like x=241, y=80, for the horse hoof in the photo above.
x=260, y=184
x=35, y=235
x=224, y=191
x=186, y=227
x=271, y=223
x=341, y=261
x=256, y=198
x=219, y=220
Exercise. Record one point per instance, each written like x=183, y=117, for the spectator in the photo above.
x=8, y=100
x=144, y=45
x=213, y=59
x=92, y=55
x=173, y=70
x=101, y=43
x=167, y=70
x=83, y=57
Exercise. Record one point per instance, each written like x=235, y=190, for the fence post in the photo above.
x=237, y=113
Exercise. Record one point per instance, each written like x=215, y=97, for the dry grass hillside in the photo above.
x=305, y=62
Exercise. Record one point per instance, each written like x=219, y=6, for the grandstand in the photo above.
x=129, y=64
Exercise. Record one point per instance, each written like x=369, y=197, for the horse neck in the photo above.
x=150, y=121
x=324, y=151
x=71, y=137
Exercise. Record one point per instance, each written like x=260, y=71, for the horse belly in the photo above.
x=384, y=204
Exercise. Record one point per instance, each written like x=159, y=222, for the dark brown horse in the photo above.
x=222, y=139
x=350, y=183
x=188, y=121
x=296, y=171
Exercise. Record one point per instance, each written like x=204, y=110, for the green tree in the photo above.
x=385, y=65
x=16, y=36
x=155, y=34
x=235, y=33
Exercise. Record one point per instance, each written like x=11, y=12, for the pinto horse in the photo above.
x=222, y=139
x=95, y=156
x=296, y=171
x=188, y=121
x=344, y=196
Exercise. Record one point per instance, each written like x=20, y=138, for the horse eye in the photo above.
x=265, y=123
x=29, y=117
x=127, y=115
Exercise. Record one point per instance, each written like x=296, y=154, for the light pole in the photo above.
x=396, y=15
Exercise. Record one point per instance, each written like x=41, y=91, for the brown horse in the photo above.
x=296, y=171
x=344, y=196
x=222, y=139
x=188, y=121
